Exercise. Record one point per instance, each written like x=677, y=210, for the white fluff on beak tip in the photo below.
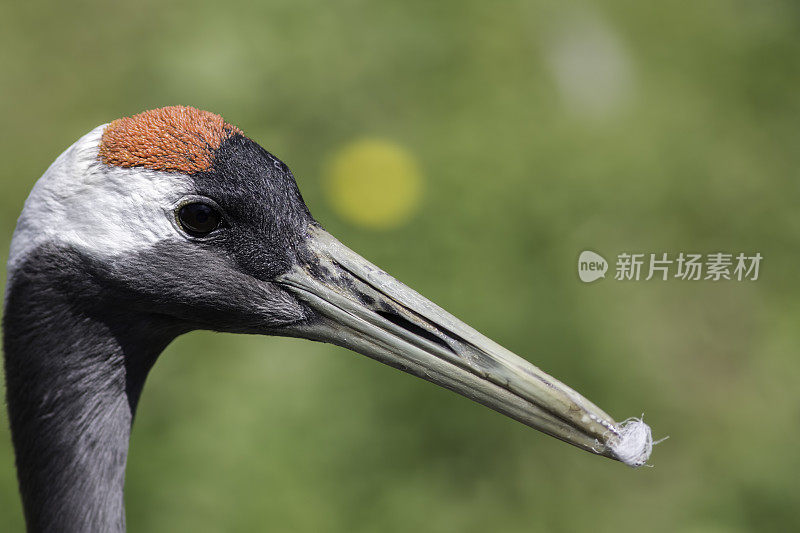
x=633, y=442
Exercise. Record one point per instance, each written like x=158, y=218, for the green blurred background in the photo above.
x=538, y=130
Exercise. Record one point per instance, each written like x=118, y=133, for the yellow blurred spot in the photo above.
x=373, y=183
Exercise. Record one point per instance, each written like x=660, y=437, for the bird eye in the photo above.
x=198, y=219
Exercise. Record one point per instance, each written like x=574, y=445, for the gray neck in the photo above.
x=73, y=378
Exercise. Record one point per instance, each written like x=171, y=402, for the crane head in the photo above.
x=176, y=214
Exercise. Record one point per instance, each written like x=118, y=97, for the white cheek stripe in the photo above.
x=102, y=210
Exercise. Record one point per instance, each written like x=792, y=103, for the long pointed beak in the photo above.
x=362, y=308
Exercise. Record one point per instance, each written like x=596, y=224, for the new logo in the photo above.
x=591, y=266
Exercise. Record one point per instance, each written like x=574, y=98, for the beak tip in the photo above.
x=632, y=442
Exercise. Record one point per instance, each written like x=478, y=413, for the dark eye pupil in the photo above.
x=198, y=219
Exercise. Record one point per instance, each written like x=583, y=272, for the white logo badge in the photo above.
x=591, y=266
